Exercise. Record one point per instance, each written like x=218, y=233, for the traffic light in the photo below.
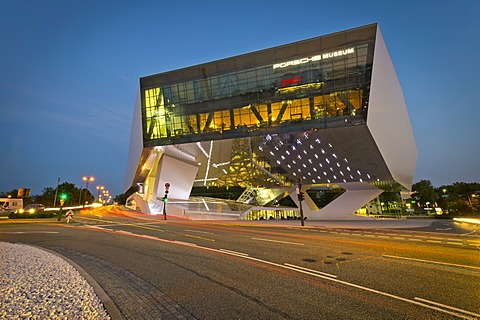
x=301, y=196
x=63, y=197
x=167, y=187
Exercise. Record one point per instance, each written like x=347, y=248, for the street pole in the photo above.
x=56, y=192
x=165, y=199
x=301, y=197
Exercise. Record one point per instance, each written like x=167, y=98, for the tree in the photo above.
x=47, y=197
x=13, y=193
x=424, y=192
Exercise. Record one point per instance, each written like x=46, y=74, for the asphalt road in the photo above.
x=202, y=270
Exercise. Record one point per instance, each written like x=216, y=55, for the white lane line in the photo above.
x=309, y=271
x=235, y=252
x=434, y=241
x=180, y=242
x=448, y=307
x=30, y=232
x=284, y=242
x=433, y=262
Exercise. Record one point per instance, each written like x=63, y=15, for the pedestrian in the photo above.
x=69, y=215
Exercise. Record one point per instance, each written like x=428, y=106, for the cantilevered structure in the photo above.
x=327, y=110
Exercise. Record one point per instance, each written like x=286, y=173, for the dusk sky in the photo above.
x=69, y=74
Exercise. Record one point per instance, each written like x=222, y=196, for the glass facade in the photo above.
x=318, y=83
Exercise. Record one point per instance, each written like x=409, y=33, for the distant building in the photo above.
x=327, y=110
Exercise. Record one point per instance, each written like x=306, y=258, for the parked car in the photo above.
x=32, y=208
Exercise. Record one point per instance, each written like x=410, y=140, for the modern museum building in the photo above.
x=326, y=112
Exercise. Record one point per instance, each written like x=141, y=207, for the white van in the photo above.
x=11, y=204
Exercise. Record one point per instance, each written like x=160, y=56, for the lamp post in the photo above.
x=106, y=196
x=99, y=188
x=87, y=181
x=301, y=197
x=56, y=192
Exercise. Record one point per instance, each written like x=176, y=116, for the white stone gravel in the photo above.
x=36, y=284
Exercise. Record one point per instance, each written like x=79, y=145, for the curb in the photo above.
x=109, y=305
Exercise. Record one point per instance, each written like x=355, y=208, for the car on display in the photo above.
x=32, y=208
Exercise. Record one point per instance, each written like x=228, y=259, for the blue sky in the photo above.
x=69, y=73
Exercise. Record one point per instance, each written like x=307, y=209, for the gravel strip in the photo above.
x=35, y=284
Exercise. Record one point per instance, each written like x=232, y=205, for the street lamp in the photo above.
x=105, y=195
x=99, y=188
x=87, y=181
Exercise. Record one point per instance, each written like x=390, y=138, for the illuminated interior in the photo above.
x=251, y=101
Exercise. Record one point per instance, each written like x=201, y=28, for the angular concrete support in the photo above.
x=357, y=194
x=180, y=175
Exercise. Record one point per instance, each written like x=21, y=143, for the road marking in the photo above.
x=198, y=237
x=235, y=252
x=30, y=232
x=434, y=241
x=189, y=244
x=448, y=307
x=285, y=242
x=310, y=270
x=433, y=262
x=198, y=231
